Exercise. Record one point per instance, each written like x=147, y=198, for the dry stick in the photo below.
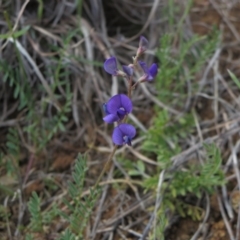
x=131, y=231
x=20, y=15
x=237, y=173
x=22, y=208
x=231, y=161
x=156, y=101
x=7, y=219
x=159, y=199
x=149, y=20
x=29, y=166
x=105, y=168
x=147, y=201
x=104, y=36
x=208, y=68
x=153, y=218
x=216, y=87
x=238, y=223
x=225, y=19
x=86, y=30
x=227, y=205
x=227, y=225
x=100, y=207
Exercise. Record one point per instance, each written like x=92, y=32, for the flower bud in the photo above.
x=149, y=73
x=143, y=45
x=128, y=70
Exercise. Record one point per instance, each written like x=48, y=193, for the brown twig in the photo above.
x=106, y=166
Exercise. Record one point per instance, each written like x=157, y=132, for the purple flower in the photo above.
x=123, y=134
x=150, y=73
x=117, y=108
x=110, y=66
x=128, y=70
x=143, y=45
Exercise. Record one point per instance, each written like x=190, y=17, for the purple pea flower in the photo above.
x=128, y=70
x=110, y=66
x=117, y=108
x=143, y=45
x=123, y=134
x=150, y=73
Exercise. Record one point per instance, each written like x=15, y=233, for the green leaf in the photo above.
x=141, y=166
x=68, y=235
x=61, y=127
x=64, y=215
x=29, y=237
x=134, y=173
x=15, y=34
x=35, y=211
x=234, y=78
x=174, y=192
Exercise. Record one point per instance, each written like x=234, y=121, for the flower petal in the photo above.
x=143, y=66
x=117, y=136
x=110, y=66
x=143, y=43
x=127, y=130
x=153, y=70
x=121, y=113
x=104, y=106
x=126, y=103
x=128, y=70
x=111, y=118
x=119, y=101
x=127, y=140
x=114, y=103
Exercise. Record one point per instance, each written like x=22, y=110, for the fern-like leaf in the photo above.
x=35, y=211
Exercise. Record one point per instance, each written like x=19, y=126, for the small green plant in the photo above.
x=13, y=150
x=43, y=115
x=163, y=140
x=80, y=210
x=68, y=235
x=181, y=59
x=35, y=211
x=163, y=137
x=77, y=209
x=29, y=237
x=179, y=67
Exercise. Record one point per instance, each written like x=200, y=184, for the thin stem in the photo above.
x=105, y=168
x=135, y=60
x=134, y=85
x=130, y=87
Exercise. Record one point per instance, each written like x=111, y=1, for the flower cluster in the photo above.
x=120, y=105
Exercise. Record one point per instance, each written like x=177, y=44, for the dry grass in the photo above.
x=104, y=29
